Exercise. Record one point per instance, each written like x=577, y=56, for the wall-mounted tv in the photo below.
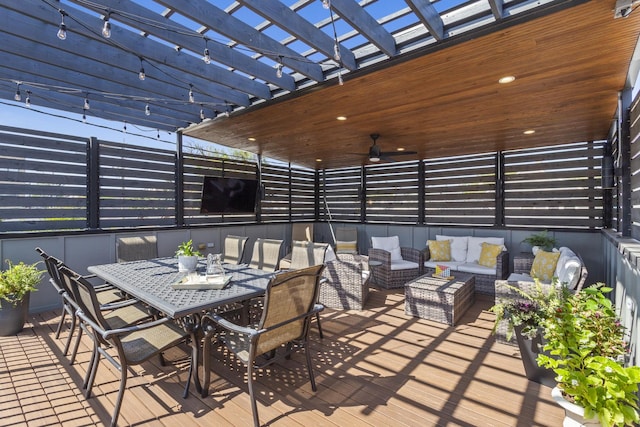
x=228, y=195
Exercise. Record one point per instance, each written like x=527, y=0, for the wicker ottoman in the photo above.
x=438, y=299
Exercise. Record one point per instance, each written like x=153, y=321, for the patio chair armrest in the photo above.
x=411, y=254
x=376, y=254
x=118, y=304
x=134, y=328
x=227, y=324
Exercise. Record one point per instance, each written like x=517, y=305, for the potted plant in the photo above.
x=586, y=344
x=187, y=257
x=16, y=284
x=541, y=240
x=523, y=314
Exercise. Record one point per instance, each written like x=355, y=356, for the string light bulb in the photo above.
x=202, y=117
x=141, y=73
x=62, y=30
x=158, y=135
x=279, y=67
x=124, y=128
x=106, y=28
x=340, y=81
x=27, y=101
x=326, y=4
x=18, y=96
x=86, y=105
x=207, y=56
x=84, y=116
x=147, y=110
x=192, y=99
x=336, y=51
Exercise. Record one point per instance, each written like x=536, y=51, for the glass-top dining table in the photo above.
x=151, y=281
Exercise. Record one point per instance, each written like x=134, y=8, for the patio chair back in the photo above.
x=266, y=254
x=234, y=247
x=346, y=240
x=290, y=298
x=136, y=248
x=305, y=254
x=302, y=231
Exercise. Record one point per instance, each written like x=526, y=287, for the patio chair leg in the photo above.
x=72, y=328
x=123, y=384
x=61, y=322
x=309, y=367
x=188, y=382
x=319, y=327
x=91, y=371
x=206, y=373
x=75, y=347
x=254, y=405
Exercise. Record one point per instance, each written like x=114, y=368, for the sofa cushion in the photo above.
x=475, y=246
x=488, y=254
x=544, y=265
x=439, y=250
x=458, y=246
x=453, y=265
x=568, y=267
x=473, y=268
x=346, y=247
x=390, y=244
x=404, y=265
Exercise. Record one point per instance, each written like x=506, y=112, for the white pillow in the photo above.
x=568, y=268
x=475, y=246
x=458, y=246
x=390, y=244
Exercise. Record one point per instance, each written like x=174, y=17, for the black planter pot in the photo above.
x=12, y=318
x=529, y=350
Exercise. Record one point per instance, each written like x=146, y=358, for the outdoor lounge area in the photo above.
x=274, y=212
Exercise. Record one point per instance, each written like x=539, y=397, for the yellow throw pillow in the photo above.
x=440, y=250
x=488, y=254
x=544, y=265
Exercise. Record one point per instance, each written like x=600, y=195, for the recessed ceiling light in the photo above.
x=506, y=79
x=251, y=139
x=318, y=160
x=529, y=132
x=400, y=149
x=341, y=118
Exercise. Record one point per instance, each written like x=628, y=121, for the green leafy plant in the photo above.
x=187, y=249
x=542, y=240
x=18, y=280
x=527, y=309
x=586, y=344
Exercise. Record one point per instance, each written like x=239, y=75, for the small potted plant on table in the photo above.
x=16, y=284
x=187, y=257
x=587, y=350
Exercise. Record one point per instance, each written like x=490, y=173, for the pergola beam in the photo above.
x=218, y=20
x=429, y=16
x=359, y=19
x=293, y=23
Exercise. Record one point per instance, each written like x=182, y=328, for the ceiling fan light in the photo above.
x=374, y=159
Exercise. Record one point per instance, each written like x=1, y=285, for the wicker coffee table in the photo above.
x=440, y=299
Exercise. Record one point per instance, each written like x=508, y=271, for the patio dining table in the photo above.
x=150, y=281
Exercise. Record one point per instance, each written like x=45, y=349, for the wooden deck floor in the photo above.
x=377, y=367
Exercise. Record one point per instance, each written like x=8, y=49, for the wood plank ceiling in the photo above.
x=424, y=75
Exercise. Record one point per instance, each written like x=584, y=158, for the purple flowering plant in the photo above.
x=526, y=309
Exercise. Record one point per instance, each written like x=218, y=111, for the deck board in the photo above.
x=373, y=367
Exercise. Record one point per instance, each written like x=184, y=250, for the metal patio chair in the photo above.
x=289, y=305
x=234, y=247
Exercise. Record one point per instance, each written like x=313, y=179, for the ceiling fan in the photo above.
x=376, y=154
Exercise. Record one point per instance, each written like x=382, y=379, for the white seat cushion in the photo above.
x=458, y=246
x=473, y=268
x=453, y=265
x=390, y=244
x=519, y=277
x=403, y=265
x=475, y=247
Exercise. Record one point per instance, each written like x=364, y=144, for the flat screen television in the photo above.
x=228, y=195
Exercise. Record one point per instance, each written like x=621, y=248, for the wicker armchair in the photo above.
x=387, y=277
x=346, y=284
